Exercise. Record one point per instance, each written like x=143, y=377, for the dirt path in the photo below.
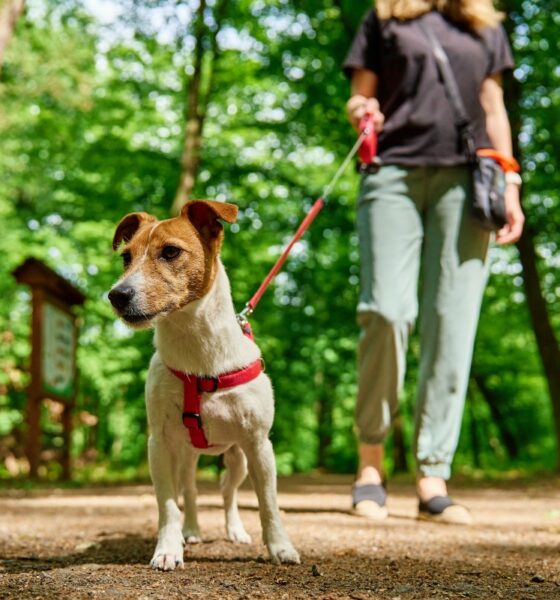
x=96, y=543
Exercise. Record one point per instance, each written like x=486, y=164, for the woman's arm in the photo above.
x=499, y=132
x=362, y=99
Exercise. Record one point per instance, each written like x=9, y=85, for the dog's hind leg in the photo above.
x=236, y=471
x=262, y=469
x=191, y=531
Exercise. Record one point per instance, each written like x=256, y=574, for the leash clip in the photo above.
x=242, y=316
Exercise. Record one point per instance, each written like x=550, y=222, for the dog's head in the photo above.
x=167, y=264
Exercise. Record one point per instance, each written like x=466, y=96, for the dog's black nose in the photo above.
x=121, y=296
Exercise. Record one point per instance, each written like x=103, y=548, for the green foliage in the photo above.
x=91, y=127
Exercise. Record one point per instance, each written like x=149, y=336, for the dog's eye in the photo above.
x=126, y=258
x=170, y=252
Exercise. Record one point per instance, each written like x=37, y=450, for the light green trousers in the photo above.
x=413, y=224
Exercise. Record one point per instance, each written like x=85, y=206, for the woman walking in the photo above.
x=414, y=225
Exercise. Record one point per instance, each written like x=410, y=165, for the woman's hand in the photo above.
x=499, y=132
x=513, y=229
x=358, y=106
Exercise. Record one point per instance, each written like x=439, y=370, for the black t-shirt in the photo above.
x=419, y=126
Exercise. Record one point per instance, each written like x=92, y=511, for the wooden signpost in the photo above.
x=53, y=354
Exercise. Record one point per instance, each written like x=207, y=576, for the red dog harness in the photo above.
x=194, y=386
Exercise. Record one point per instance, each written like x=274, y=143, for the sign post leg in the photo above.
x=67, y=436
x=33, y=441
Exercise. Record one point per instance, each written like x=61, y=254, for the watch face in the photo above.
x=514, y=178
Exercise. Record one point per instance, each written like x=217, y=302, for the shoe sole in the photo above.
x=370, y=510
x=452, y=515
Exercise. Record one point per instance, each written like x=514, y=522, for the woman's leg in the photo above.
x=454, y=275
x=370, y=464
x=390, y=233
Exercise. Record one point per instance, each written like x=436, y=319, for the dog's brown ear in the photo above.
x=205, y=215
x=129, y=225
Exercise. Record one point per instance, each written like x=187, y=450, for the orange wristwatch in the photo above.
x=509, y=165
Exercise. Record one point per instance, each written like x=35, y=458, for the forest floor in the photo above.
x=97, y=543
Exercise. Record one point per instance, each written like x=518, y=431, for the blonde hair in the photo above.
x=476, y=14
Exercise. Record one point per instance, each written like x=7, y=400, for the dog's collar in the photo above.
x=194, y=386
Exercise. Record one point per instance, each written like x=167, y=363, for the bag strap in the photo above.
x=462, y=121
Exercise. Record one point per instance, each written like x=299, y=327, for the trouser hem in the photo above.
x=372, y=440
x=438, y=470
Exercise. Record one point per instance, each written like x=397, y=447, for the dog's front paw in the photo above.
x=168, y=555
x=169, y=561
x=237, y=534
x=283, y=553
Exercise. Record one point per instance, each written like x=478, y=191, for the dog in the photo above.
x=174, y=281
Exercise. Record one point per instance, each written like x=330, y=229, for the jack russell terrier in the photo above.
x=206, y=391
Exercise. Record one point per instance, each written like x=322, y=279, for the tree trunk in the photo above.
x=197, y=102
x=494, y=404
x=349, y=28
x=325, y=427
x=400, y=462
x=10, y=12
x=475, y=444
x=193, y=127
x=547, y=343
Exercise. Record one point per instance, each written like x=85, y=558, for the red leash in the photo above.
x=309, y=218
x=367, y=146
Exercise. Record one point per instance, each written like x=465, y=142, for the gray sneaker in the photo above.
x=369, y=501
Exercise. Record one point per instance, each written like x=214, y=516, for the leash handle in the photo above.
x=368, y=148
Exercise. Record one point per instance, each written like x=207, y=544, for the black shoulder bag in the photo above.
x=488, y=198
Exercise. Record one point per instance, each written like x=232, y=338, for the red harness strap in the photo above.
x=194, y=386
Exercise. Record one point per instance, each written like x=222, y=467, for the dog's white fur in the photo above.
x=204, y=338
